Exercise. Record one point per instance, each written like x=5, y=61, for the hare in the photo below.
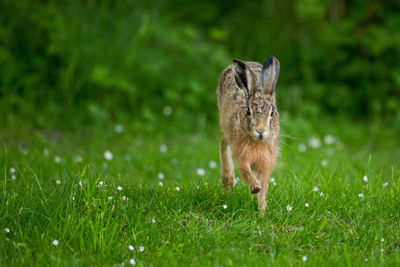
x=249, y=122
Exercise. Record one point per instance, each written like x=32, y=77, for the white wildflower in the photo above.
x=321, y=194
x=272, y=179
x=12, y=170
x=132, y=261
x=329, y=139
x=119, y=188
x=108, y=155
x=77, y=159
x=365, y=179
x=131, y=248
x=55, y=243
x=314, y=142
x=160, y=175
x=58, y=182
x=212, y=164
x=7, y=230
x=324, y=163
x=307, y=205
x=141, y=248
x=361, y=195
x=110, y=198
x=57, y=159
x=177, y=188
x=153, y=221
x=225, y=206
x=200, y=172
x=302, y=148
x=167, y=111
x=289, y=208
x=385, y=184
x=304, y=258
x=160, y=184
x=13, y=177
x=124, y=198
x=118, y=128
x=382, y=240
x=315, y=189
x=163, y=148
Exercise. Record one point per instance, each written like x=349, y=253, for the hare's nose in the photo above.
x=261, y=133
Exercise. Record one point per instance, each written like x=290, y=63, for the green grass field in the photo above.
x=64, y=189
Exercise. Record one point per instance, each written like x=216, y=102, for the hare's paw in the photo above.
x=228, y=183
x=255, y=188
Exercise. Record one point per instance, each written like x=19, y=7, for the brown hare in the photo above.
x=249, y=122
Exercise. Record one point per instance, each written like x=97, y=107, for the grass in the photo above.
x=340, y=226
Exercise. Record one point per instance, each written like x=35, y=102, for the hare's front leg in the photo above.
x=228, y=174
x=247, y=176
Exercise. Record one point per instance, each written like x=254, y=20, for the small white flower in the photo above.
x=321, y=194
x=110, y=198
x=128, y=157
x=153, y=220
x=366, y=259
x=361, y=195
x=329, y=139
x=385, y=184
x=132, y=261
x=365, y=179
x=205, y=183
x=163, y=148
x=124, y=198
x=57, y=159
x=237, y=180
x=304, y=258
x=212, y=164
x=197, y=187
x=307, y=205
x=302, y=148
x=77, y=159
x=167, y=111
x=13, y=177
x=177, y=188
x=314, y=142
x=12, y=170
x=141, y=248
x=315, y=189
x=55, y=243
x=118, y=128
x=108, y=155
x=80, y=183
x=119, y=188
x=160, y=184
x=382, y=240
x=289, y=208
x=101, y=183
x=200, y=172
x=58, y=182
x=382, y=249
x=7, y=230
x=324, y=163
x=272, y=179
x=225, y=206
x=274, y=183
x=160, y=175
x=131, y=248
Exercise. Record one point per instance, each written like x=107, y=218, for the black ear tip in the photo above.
x=239, y=62
x=268, y=62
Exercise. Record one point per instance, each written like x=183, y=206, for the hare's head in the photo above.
x=259, y=116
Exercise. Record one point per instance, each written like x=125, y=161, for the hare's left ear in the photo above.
x=269, y=75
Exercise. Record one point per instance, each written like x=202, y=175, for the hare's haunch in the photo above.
x=249, y=122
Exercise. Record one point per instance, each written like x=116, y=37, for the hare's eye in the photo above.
x=248, y=111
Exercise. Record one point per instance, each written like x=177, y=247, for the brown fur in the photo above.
x=255, y=158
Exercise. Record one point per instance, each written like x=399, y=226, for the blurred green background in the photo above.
x=65, y=64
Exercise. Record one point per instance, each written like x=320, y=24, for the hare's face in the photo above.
x=260, y=120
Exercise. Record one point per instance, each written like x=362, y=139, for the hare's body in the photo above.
x=249, y=123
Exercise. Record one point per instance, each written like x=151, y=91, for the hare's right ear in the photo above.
x=243, y=76
x=269, y=75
